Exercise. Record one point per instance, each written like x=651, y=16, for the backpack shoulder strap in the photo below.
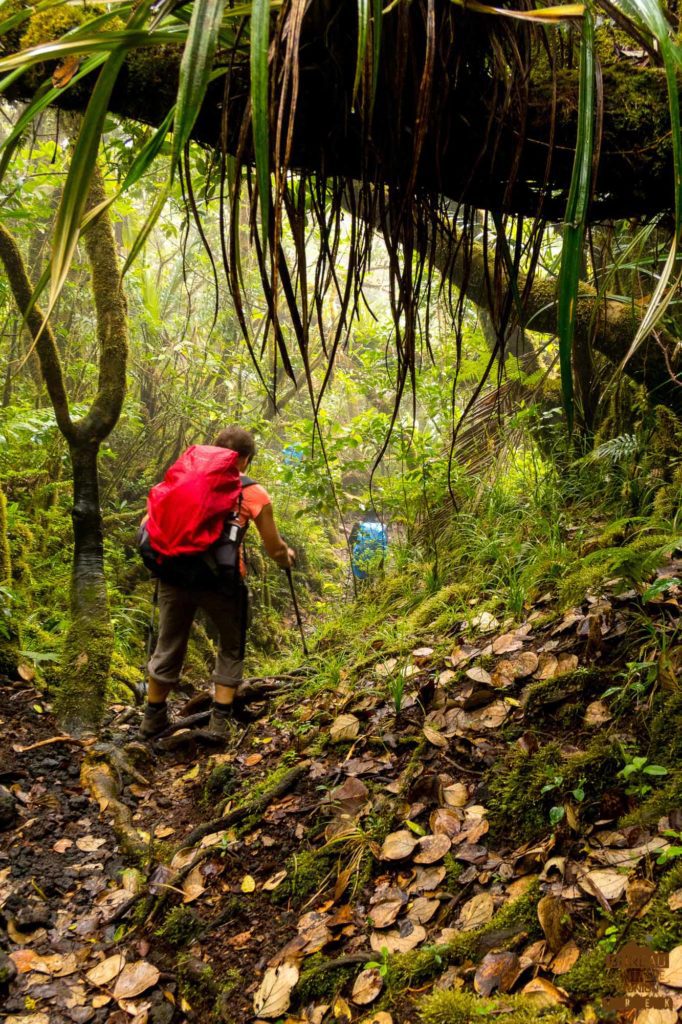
x=247, y=481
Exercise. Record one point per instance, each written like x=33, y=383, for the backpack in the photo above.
x=191, y=537
x=368, y=546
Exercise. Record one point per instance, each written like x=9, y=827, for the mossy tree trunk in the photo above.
x=89, y=642
x=9, y=634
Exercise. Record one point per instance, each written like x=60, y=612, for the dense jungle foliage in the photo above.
x=465, y=799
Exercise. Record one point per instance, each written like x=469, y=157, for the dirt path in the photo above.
x=330, y=834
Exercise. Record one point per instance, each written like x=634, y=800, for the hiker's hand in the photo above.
x=292, y=558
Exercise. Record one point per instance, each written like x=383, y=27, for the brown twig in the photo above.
x=53, y=739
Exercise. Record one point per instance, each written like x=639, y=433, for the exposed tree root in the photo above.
x=48, y=742
x=103, y=783
x=257, y=806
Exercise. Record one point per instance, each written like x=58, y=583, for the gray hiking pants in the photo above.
x=177, y=608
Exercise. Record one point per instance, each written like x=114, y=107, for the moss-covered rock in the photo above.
x=590, y=978
x=518, y=808
x=661, y=927
x=450, y=1007
x=180, y=928
x=566, y=694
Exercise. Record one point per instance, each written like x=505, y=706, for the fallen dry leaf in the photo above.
x=435, y=738
x=507, y=643
x=555, y=921
x=446, y=822
x=476, y=912
x=479, y=675
x=484, y=623
x=62, y=845
x=597, y=713
x=341, y=1009
x=367, y=987
x=609, y=882
x=398, y=845
x=248, y=884
x=543, y=993
x=88, y=844
x=672, y=974
x=547, y=666
x=274, y=992
x=497, y=971
x=422, y=910
x=431, y=849
x=395, y=942
x=382, y=1017
x=638, y=894
x=565, y=959
x=193, y=885
x=104, y=972
x=134, y=979
x=456, y=795
x=675, y=900
x=27, y=1018
x=386, y=905
x=427, y=879
x=23, y=960
x=344, y=728
x=274, y=880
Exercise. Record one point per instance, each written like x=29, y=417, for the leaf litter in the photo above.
x=397, y=892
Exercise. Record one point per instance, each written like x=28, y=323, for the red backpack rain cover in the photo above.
x=187, y=510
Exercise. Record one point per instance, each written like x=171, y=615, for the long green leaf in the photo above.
x=376, y=45
x=37, y=105
x=143, y=235
x=139, y=166
x=576, y=215
x=650, y=14
x=363, y=36
x=260, y=39
x=195, y=70
x=106, y=41
x=76, y=188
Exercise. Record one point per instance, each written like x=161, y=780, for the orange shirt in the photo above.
x=254, y=500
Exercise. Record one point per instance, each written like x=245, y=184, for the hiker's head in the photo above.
x=237, y=440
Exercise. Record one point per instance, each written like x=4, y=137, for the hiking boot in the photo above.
x=221, y=725
x=154, y=722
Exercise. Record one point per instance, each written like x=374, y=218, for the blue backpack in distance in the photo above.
x=368, y=548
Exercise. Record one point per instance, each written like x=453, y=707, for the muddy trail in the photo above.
x=479, y=826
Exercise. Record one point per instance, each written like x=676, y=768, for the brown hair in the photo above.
x=237, y=440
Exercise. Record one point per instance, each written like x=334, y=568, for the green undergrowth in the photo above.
x=661, y=927
x=450, y=1007
x=518, y=807
x=410, y=970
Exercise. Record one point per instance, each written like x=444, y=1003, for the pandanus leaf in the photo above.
x=260, y=39
x=576, y=215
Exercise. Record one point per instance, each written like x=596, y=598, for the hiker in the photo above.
x=226, y=605
x=368, y=542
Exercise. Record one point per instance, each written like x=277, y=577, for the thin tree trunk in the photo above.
x=9, y=634
x=89, y=641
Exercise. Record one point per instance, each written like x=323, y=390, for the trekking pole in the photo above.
x=296, y=608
